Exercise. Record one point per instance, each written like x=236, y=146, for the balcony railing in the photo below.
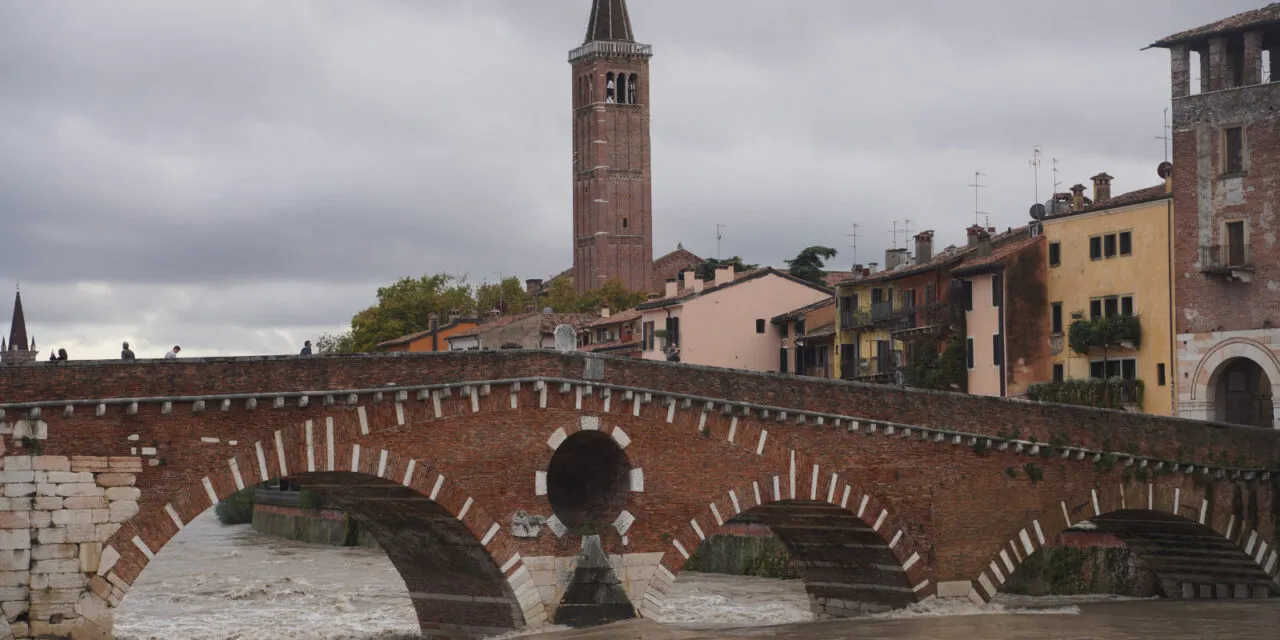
x=1106, y=332
x=619, y=49
x=1217, y=260
x=1110, y=393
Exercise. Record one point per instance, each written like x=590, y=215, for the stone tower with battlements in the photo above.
x=612, y=190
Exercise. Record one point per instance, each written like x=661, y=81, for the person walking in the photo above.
x=306, y=349
x=126, y=353
x=62, y=354
x=172, y=353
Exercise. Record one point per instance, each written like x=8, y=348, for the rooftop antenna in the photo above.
x=977, y=184
x=1034, y=163
x=855, y=237
x=1056, y=183
x=1165, y=135
x=894, y=244
x=718, y=237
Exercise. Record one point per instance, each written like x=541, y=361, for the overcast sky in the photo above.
x=237, y=176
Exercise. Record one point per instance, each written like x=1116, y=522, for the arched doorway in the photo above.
x=1242, y=393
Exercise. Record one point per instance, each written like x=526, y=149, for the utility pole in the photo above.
x=718, y=237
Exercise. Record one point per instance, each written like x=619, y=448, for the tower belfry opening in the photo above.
x=612, y=194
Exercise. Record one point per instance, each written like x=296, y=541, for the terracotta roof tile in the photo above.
x=997, y=256
x=617, y=318
x=1263, y=17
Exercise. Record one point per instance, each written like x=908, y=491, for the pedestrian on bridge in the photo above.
x=126, y=353
x=172, y=353
x=306, y=349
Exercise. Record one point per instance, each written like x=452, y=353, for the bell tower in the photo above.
x=612, y=191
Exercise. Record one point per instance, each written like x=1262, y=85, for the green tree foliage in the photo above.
x=406, y=307
x=706, y=270
x=928, y=370
x=808, y=264
x=237, y=508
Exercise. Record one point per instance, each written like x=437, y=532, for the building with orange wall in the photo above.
x=431, y=339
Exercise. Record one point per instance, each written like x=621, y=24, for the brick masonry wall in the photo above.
x=945, y=510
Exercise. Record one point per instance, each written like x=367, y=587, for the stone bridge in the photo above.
x=518, y=488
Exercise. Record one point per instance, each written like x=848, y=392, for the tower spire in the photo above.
x=18, y=329
x=609, y=22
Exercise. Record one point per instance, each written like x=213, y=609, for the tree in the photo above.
x=706, y=270
x=406, y=307
x=808, y=264
x=335, y=343
x=563, y=298
x=507, y=296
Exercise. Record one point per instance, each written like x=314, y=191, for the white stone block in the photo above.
x=51, y=535
x=77, y=489
x=69, y=565
x=54, y=596
x=19, y=490
x=90, y=556
x=115, y=479
x=82, y=533
x=11, y=477
x=17, y=463
x=107, y=559
x=68, y=477
x=84, y=502
x=41, y=519
x=75, y=581
x=46, y=489
x=122, y=510
x=73, y=516
x=15, y=539
x=10, y=594
x=15, y=560
x=14, y=578
x=54, y=551
x=123, y=493
x=48, y=503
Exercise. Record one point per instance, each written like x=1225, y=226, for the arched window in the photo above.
x=610, y=89
x=622, y=88
x=633, y=89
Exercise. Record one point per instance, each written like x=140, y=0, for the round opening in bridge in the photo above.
x=588, y=480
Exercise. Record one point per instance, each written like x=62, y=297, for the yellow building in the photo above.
x=1110, y=258
x=865, y=349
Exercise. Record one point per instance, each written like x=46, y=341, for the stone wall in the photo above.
x=55, y=515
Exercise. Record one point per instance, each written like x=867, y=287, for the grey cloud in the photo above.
x=244, y=173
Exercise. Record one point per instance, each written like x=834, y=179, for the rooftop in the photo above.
x=617, y=318
x=1147, y=194
x=1256, y=19
x=684, y=294
x=942, y=260
x=405, y=339
x=796, y=314
x=997, y=256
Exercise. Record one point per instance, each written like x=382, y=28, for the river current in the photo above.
x=214, y=582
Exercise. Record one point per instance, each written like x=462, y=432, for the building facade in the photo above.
x=1226, y=190
x=1105, y=260
x=434, y=339
x=808, y=339
x=612, y=190
x=725, y=322
x=526, y=331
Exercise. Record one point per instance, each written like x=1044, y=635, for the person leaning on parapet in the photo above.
x=126, y=353
x=306, y=349
x=173, y=353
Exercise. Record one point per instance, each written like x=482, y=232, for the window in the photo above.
x=800, y=327
x=968, y=352
x=759, y=325
x=1059, y=372
x=782, y=360
x=624, y=223
x=1126, y=369
x=1095, y=308
x=1095, y=248
x=968, y=295
x=997, y=290
x=783, y=328
x=1110, y=306
x=1160, y=374
x=647, y=333
x=877, y=296
x=1233, y=151
x=673, y=332
x=1236, y=254
x=930, y=292
x=1055, y=317
x=1126, y=305
x=1055, y=254
x=997, y=350
x=1126, y=243
x=909, y=299
x=1109, y=245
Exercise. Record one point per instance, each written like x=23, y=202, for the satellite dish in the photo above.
x=1037, y=211
x=1165, y=170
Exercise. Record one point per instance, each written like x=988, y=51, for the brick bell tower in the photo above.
x=612, y=191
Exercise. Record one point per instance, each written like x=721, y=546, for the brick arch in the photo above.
x=793, y=487
x=498, y=597
x=1216, y=556
x=1211, y=363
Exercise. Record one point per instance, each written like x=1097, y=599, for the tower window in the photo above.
x=624, y=223
x=622, y=88
x=1233, y=151
x=610, y=88
x=632, y=90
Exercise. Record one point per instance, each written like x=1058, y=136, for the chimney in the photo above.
x=924, y=247
x=532, y=286
x=872, y=267
x=672, y=287
x=976, y=234
x=858, y=271
x=724, y=274
x=687, y=277
x=697, y=285
x=894, y=258
x=1101, y=187
x=453, y=315
x=604, y=312
x=1077, y=197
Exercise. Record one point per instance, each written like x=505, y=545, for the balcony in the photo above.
x=612, y=49
x=1216, y=260
x=878, y=369
x=1117, y=331
x=1111, y=393
x=929, y=320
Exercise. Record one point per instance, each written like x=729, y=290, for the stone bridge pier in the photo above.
x=519, y=489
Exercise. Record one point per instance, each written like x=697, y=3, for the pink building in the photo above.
x=724, y=322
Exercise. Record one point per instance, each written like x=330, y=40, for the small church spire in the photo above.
x=609, y=22
x=18, y=329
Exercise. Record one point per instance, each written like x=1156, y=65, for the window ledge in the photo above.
x=1236, y=174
